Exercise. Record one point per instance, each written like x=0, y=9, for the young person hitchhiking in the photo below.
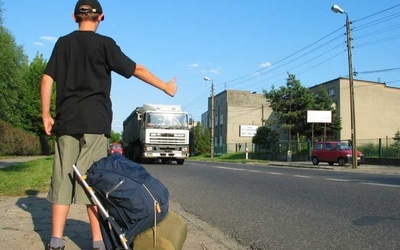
x=81, y=64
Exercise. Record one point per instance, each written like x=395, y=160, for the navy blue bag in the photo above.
x=133, y=198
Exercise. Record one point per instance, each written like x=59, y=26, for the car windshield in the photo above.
x=342, y=146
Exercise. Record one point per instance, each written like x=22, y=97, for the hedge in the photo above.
x=17, y=142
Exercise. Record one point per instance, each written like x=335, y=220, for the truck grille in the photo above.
x=167, y=140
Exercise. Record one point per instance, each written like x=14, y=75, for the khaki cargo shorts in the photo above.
x=81, y=150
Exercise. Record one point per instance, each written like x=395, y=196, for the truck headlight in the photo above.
x=148, y=148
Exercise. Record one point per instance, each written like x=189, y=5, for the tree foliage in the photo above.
x=266, y=139
x=31, y=105
x=322, y=101
x=290, y=104
x=201, y=140
x=13, y=63
x=115, y=136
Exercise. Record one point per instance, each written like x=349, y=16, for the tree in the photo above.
x=266, y=139
x=115, y=137
x=201, y=140
x=31, y=105
x=322, y=101
x=13, y=62
x=290, y=104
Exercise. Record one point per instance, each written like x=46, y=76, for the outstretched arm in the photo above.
x=145, y=75
x=45, y=92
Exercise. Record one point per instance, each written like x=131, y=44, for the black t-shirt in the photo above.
x=81, y=64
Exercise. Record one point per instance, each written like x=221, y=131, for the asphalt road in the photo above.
x=267, y=207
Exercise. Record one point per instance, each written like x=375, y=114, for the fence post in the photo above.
x=380, y=147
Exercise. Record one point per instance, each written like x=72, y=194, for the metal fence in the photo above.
x=373, y=148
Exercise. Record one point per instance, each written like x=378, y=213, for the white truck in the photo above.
x=156, y=132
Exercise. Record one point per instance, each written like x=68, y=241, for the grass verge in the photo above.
x=26, y=178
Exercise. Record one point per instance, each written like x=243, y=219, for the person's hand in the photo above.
x=48, y=124
x=171, y=88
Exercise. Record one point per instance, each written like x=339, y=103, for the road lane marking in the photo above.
x=308, y=177
x=255, y=171
x=275, y=173
x=235, y=169
x=302, y=176
x=380, y=184
x=340, y=180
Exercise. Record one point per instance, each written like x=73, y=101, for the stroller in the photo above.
x=133, y=206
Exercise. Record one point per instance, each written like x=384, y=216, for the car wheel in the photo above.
x=341, y=161
x=315, y=160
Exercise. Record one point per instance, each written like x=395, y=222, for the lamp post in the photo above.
x=335, y=8
x=212, y=115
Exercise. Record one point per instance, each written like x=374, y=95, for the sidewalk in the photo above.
x=25, y=223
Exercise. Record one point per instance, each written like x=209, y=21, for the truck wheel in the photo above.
x=180, y=161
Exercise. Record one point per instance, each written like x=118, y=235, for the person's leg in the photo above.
x=94, y=222
x=93, y=148
x=61, y=187
x=59, y=219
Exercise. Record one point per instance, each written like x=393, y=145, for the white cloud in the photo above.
x=49, y=38
x=265, y=65
x=38, y=44
x=194, y=65
x=214, y=71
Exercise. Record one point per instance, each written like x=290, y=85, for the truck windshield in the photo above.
x=166, y=120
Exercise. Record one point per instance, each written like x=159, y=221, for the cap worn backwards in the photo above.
x=88, y=6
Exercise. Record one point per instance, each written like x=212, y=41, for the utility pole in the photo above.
x=335, y=8
x=212, y=115
x=352, y=106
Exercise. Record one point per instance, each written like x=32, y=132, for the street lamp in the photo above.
x=212, y=115
x=335, y=8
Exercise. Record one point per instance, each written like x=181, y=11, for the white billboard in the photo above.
x=319, y=116
x=247, y=130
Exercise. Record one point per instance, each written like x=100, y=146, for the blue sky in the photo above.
x=240, y=44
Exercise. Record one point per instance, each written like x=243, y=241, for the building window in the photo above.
x=331, y=92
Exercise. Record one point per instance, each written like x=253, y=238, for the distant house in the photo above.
x=376, y=107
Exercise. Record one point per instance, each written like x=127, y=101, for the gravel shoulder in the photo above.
x=25, y=224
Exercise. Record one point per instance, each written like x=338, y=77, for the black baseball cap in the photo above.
x=88, y=6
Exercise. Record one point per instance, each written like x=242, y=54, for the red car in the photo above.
x=116, y=148
x=334, y=152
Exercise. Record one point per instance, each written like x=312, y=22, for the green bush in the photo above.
x=15, y=141
x=369, y=150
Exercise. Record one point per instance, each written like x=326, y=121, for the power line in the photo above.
x=377, y=71
x=301, y=55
